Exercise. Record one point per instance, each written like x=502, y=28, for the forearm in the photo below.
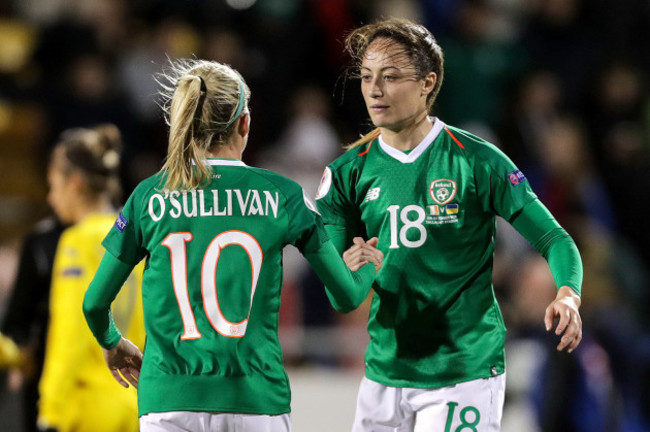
x=536, y=224
x=109, y=278
x=345, y=289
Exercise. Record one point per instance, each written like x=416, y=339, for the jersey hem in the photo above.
x=213, y=393
x=403, y=383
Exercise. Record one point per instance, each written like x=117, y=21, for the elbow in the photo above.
x=90, y=309
x=347, y=305
x=343, y=304
x=345, y=308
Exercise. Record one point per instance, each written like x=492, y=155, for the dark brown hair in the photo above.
x=418, y=44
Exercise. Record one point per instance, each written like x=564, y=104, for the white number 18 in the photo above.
x=408, y=224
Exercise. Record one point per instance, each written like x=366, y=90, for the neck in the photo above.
x=411, y=135
x=233, y=149
x=85, y=208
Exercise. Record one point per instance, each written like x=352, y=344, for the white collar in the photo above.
x=418, y=150
x=223, y=162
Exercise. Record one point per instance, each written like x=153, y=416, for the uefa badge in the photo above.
x=325, y=183
x=442, y=190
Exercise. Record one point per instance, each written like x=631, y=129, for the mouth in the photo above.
x=378, y=108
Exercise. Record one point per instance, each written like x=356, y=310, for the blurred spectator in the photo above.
x=557, y=38
x=535, y=105
x=137, y=67
x=621, y=145
x=28, y=313
x=568, y=183
x=308, y=143
x=478, y=69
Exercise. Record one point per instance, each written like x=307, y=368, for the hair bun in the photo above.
x=111, y=160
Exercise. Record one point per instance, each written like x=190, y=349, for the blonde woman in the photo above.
x=212, y=230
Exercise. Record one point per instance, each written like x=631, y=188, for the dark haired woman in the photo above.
x=430, y=192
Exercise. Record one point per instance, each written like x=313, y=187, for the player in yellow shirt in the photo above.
x=77, y=391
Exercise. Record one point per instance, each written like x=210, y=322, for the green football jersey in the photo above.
x=434, y=319
x=211, y=286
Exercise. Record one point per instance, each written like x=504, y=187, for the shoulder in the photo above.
x=475, y=146
x=352, y=158
x=89, y=230
x=278, y=181
x=146, y=188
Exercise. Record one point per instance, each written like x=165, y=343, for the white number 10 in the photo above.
x=178, y=256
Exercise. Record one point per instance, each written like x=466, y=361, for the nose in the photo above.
x=375, y=89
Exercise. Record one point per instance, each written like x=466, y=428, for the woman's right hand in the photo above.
x=363, y=252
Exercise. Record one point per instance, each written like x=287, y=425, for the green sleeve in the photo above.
x=345, y=289
x=540, y=228
x=125, y=241
x=108, y=280
x=340, y=236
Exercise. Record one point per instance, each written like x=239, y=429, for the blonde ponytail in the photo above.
x=202, y=101
x=364, y=139
x=183, y=165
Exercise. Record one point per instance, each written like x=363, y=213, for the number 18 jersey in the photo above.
x=211, y=287
x=434, y=320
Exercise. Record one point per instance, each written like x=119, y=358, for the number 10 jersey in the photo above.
x=211, y=286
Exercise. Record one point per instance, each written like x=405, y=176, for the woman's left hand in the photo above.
x=124, y=362
x=565, y=308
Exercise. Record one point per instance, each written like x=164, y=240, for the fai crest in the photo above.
x=442, y=190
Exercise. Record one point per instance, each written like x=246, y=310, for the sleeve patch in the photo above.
x=121, y=222
x=325, y=183
x=516, y=177
x=72, y=272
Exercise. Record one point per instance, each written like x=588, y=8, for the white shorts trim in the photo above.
x=191, y=421
x=469, y=406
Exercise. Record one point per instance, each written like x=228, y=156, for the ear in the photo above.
x=244, y=124
x=77, y=181
x=429, y=83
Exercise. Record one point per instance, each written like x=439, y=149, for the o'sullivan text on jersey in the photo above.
x=222, y=202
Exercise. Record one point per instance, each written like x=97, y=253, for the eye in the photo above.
x=365, y=78
x=390, y=77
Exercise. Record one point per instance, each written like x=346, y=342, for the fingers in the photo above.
x=572, y=335
x=569, y=326
x=357, y=255
x=358, y=241
x=353, y=257
x=362, y=253
x=119, y=378
x=548, y=317
x=132, y=375
x=565, y=317
x=373, y=242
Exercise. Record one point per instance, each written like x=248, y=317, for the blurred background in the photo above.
x=560, y=85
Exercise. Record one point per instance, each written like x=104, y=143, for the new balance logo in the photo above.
x=373, y=194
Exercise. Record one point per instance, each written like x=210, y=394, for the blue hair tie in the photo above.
x=240, y=106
